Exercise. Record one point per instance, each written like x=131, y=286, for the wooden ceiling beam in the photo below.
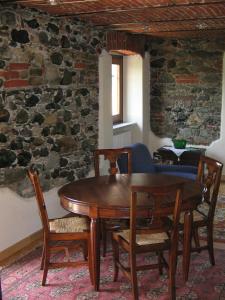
x=156, y=8
x=163, y=21
x=186, y=34
x=175, y=31
x=71, y=2
x=47, y=2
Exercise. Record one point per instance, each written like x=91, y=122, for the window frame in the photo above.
x=118, y=60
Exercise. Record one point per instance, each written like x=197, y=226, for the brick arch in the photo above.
x=125, y=44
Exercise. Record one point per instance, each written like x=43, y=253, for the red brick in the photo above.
x=9, y=74
x=16, y=83
x=187, y=79
x=79, y=66
x=18, y=66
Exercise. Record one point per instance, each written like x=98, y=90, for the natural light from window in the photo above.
x=115, y=89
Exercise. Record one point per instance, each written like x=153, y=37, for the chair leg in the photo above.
x=104, y=237
x=43, y=256
x=115, y=259
x=46, y=264
x=172, y=273
x=160, y=262
x=210, y=244
x=85, y=250
x=196, y=237
x=133, y=274
x=90, y=262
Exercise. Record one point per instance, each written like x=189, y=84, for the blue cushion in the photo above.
x=176, y=168
x=141, y=160
x=191, y=176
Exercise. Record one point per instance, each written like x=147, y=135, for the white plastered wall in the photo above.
x=105, y=100
x=136, y=74
x=133, y=94
x=19, y=216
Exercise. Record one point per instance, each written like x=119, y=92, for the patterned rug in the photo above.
x=22, y=281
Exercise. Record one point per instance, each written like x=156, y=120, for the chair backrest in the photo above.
x=112, y=155
x=142, y=161
x=209, y=176
x=34, y=178
x=190, y=158
x=162, y=198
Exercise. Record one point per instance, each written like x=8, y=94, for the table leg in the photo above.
x=188, y=218
x=95, y=252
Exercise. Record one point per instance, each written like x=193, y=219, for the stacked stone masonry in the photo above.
x=48, y=97
x=186, y=89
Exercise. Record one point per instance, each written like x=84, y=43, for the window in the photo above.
x=117, y=89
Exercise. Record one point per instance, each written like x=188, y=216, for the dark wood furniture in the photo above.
x=189, y=157
x=0, y=287
x=209, y=176
x=157, y=237
x=111, y=155
x=63, y=230
x=109, y=197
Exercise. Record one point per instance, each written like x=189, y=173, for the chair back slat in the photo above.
x=112, y=155
x=34, y=178
x=161, y=197
x=209, y=176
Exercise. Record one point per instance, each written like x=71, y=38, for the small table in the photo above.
x=188, y=156
x=109, y=197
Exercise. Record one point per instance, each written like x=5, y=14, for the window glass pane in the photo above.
x=115, y=89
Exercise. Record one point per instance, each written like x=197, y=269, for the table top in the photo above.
x=178, y=152
x=109, y=196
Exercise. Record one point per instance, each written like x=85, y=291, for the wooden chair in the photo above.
x=112, y=156
x=0, y=293
x=209, y=176
x=153, y=238
x=63, y=231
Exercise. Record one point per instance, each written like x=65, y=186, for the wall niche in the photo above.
x=186, y=89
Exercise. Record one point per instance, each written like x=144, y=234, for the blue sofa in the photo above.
x=142, y=162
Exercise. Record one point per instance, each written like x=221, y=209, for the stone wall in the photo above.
x=48, y=97
x=186, y=89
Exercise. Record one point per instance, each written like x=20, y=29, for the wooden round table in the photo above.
x=109, y=197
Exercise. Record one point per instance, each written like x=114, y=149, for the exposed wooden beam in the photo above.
x=222, y=30
x=111, y=10
x=185, y=35
x=47, y=2
x=162, y=21
x=153, y=8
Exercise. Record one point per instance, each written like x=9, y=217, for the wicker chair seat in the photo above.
x=66, y=225
x=144, y=239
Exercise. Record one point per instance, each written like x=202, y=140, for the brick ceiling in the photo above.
x=162, y=18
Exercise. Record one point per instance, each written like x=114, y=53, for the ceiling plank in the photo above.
x=192, y=17
x=117, y=7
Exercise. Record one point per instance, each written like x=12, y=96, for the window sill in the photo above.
x=123, y=127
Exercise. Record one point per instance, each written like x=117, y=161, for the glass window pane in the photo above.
x=115, y=89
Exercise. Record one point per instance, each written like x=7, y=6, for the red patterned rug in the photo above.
x=22, y=281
